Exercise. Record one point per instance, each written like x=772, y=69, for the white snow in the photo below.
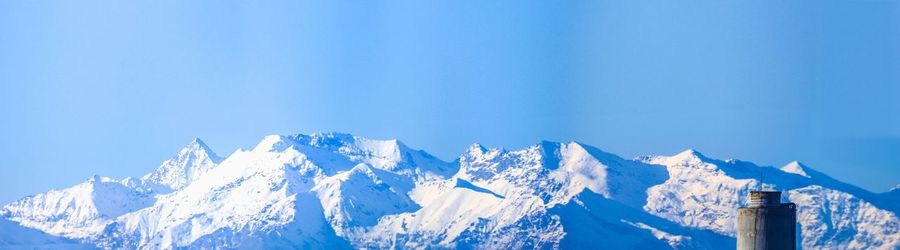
x=838, y=220
x=338, y=191
x=79, y=211
x=795, y=167
x=188, y=165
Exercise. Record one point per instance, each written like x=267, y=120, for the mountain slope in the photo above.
x=339, y=191
x=839, y=220
x=15, y=236
x=79, y=211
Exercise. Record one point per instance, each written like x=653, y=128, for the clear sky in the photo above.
x=116, y=87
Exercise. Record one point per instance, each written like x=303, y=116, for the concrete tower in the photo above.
x=767, y=224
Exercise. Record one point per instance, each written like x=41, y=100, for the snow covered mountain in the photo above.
x=331, y=190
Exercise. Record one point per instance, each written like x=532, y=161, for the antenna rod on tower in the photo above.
x=761, y=180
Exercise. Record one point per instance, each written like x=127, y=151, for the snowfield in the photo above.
x=339, y=191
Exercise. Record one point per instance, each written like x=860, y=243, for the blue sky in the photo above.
x=116, y=87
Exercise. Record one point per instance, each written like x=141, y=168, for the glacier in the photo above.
x=340, y=191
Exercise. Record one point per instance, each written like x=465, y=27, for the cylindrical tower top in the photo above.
x=765, y=198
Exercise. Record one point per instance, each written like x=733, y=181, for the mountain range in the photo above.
x=339, y=191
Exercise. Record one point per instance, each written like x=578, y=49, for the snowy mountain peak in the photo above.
x=97, y=179
x=476, y=149
x=556, y=154
x=688, y=157
x=198, y=148
x=337, y=136
x=272, y=143
x=388, y=151
x=894, y=193
x=690, y=153
x=390, y=155
x=197, y=144
x=362, y=169
x=187, y=165
x=795, y=167
x=553, y=148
